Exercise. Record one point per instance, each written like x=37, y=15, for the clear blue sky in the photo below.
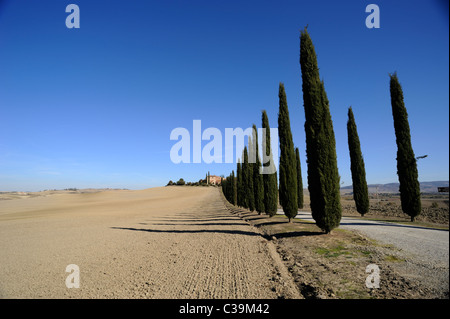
x=94, y=106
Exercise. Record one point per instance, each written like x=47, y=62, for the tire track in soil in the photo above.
x=217, y=255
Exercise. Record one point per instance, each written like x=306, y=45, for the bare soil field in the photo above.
x=168, y=242
x=187, y=242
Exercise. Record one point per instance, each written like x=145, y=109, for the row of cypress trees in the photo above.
x=229, y=188
x=255, y=191
x=406, y=160
x=323, y=176
x=249, y=190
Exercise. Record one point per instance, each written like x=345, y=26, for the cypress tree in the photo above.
x=233, y=189
x=408, y=175
x=323, y=175
x=228, y=188
x=258, y=185
x=299, y=180
x=288, y=166
x=250, y=190
x=224, y=188
x=239, y=184
x=245, y=180
x=269, y=180
x=360, y=190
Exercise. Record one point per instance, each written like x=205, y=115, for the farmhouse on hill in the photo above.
x=213, y=180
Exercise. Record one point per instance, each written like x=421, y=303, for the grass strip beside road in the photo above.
x=333, y=266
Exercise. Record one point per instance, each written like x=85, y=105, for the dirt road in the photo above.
x=169, y=242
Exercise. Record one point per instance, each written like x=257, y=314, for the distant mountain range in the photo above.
x=425, y=187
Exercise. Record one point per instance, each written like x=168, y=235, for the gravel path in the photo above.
x=426, y=250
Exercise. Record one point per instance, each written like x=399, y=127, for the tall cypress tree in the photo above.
x=323, y=175
x=408, y=175
x=250, y=191
x=288, y=166
x=233, y=189
x=299, y=180
x=228, y=187
x=360, y=190
x=270, y=180
x=239, y=187
x=258, y=185
x=224, y=187
x=245, y=178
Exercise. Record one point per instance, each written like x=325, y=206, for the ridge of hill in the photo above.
x=425, y=187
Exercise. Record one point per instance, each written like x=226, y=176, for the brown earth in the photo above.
x=169, y=242
x=184, y=242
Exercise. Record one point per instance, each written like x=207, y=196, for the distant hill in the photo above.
x=425, y=187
